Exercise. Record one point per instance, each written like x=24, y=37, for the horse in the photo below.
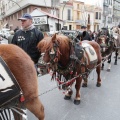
x=22, y=67
x=107, y=48
x=116, y=37
x=109, y=43
x=58, y=52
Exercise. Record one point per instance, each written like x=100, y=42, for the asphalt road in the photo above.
x=101, y=103
x=96, y=103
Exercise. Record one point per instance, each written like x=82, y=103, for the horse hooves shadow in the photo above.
x=115, y=63
x=76, y=102
x=84, y=85
x=98, y=84
x=67, y=97
x=118, y=57
x=108, y=70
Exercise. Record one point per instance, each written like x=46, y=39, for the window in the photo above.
x=97, y=27
x=70, y=27
x=106, y=1
x=88, y=18
x=58, y=26
x=111, y=2
x=96, y=16
x=109, y=20
x=69, y=13
x=77, y=6
x=65, y=27
x=99, y=15
x=78, y=15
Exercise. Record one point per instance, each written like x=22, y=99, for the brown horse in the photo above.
x=107, y=45
x=58, y=51
x=24, y=71
x=116, y=36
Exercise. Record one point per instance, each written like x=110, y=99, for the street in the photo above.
x=96, y=103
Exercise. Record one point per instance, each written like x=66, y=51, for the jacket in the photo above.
x=28, y=41
x=86, y=36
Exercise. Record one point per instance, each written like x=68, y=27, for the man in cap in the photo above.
x=86, y=35
x=28, y=37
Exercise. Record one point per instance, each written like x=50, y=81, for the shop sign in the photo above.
x=39, y=20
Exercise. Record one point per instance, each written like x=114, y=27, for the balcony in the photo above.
x=97, y=21
x=118, y=1
x=116, y=16
x=116, y=7
x=105, y=4
x=105, y=13
x=80, y=22
x=109, y=22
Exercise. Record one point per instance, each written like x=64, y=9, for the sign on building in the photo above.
x=40, y=20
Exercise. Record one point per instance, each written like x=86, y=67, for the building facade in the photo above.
x=98, y=18
x=10, y=11
x=116, y=12
x=66, y=14
x=78, y=14
x=108, y=13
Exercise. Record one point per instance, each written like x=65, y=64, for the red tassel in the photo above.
x=71, y=72
x=22, y=99
x=80, y=43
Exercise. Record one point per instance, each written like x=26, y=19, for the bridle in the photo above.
x=58, y=69
x=54, y=53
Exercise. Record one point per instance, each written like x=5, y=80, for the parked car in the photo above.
x=1, y=33
x=5, y=32
x=68, y=32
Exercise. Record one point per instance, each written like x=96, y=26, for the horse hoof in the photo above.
x=115, y=63
x=67, y=97
x=108, y=70
x=98, y=84
x=76, y=102
x=84, y=85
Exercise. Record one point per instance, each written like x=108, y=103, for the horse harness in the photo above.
x=11, y=94
x=65, y=76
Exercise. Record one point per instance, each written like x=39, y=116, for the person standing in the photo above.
x=17, y=28
x=28, y=37
x=86, y=35
x=10, y=37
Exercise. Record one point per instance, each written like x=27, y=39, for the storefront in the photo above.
x=46, y=22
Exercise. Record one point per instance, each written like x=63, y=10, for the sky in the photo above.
x=92, y=2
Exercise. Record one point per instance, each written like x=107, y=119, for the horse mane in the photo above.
x=47, y=42
x=44, y=43
x=63, y=42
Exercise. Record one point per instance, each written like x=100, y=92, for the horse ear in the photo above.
x=45, y=34
x=54, y=37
